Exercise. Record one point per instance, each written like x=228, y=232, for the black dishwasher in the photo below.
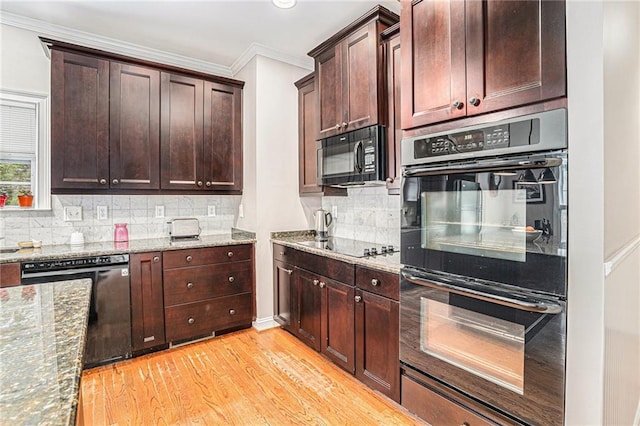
x=109, y=326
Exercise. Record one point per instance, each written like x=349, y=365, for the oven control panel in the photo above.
x=457, y=143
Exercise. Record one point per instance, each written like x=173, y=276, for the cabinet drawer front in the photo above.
x=435, y=408
x=327, y=267
x=378, y=282
x=283, y=253
x=203, y=256
x=202, y=318
x=184, y=285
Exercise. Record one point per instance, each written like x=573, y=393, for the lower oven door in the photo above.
x=502, y=347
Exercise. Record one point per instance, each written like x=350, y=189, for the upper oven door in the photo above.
x=502, y=220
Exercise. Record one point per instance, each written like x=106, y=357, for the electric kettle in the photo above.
x=323, y=219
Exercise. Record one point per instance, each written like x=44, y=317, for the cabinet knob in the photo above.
x=338, y=126
x=200, y=183
x=375, y=282
x=103, y=181
x=315, y=282
x=281, y=253
x=230, y=254
x=208, y=184
x=231, y=279
x=232, y=311
x=189, y=258
x=289, y=271
x=344, y=124
x=322, y=285
x=357, y=298
x=189, y=285
x=458, y=105
x=191, y=320
x=156, y=259
x=115, y=181
x=474, y=101
x=389, y=180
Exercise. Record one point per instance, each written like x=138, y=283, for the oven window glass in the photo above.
x=338, y=159
x=486, y=346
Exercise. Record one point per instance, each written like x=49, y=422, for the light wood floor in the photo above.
x=243, y=378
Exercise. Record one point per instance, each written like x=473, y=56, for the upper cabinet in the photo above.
x=462, y=58
x=349, y=75
x=124, y=124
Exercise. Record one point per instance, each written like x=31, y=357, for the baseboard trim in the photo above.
x=636, y=421
x=261, y=324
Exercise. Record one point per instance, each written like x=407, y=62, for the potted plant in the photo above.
x=25, y=198
x=3, y=198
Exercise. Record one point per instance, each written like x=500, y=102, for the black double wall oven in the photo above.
x=484, y=283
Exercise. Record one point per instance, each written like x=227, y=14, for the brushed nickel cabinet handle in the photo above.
x=189, y=258
x=322, y=284
x=115, y=181
x=316, y=282
x=288, y=271
x=156, y=259
x=358, y=298
x=230, y=254
x=199, y=183
x=103, y=181
x=474, y=101
x=189, y=285
x=232, y=311
x=208, y=184
x=375, y=282
x=458, y=105
x=191, y=320
x=231, y=279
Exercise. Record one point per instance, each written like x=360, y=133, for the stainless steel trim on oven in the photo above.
x=519, y=162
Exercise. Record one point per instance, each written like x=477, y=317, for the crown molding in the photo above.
x=108, y=44
x=256, y=49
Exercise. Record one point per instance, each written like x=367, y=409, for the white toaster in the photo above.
x=187, y=227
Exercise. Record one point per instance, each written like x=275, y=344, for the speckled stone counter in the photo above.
x=386, y=262
x=42, y=337
x=133, y=246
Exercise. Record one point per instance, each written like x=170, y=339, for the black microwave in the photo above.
x=353, y=158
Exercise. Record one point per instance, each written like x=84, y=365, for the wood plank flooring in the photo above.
x=243, y=378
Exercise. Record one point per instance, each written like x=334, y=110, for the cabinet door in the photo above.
x=79, y=121
x=433, y=55
x=394, y=130
x=515, y=53
x=135, y=127
x=377, y=343
x=359, y=62
x=147, y=306
x=308, y=308
x=329, y=92
x=338, y=320
x=181, y=132
x=222, y=137
x=283, y=297
x=307, y=133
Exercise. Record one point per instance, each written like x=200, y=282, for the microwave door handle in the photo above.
x=357, y=149
x=529, y=305
x=528, y=162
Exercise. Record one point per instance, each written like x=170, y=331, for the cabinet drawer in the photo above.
x=203, y=256
x=202, y=318
x=185, y=285
x=283, y=253
x=325, y=266
x=435, y=408
x=382, y=283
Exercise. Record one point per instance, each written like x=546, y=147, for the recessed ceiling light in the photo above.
x=284, y=4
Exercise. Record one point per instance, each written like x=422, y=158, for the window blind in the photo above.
x=18, y=129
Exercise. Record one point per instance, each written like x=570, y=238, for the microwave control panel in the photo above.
x=369, y=156
x=485, y=139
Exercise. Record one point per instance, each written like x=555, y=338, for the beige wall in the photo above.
x=621, y=211
x=23, y=66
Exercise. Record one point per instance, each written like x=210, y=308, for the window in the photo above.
x=24, y=147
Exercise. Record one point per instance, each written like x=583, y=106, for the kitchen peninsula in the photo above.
x=42, y=330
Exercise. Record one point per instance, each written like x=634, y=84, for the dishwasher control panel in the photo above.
x=74, y=263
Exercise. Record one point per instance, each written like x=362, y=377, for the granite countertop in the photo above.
x=42, y=336
x=133, y=246
x=387, y=262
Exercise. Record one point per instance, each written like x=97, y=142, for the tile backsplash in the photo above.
x=366, y=214
x=137, y=211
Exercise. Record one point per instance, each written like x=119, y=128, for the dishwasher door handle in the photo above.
x=65, y=272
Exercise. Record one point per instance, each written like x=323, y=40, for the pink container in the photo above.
x=121, y=234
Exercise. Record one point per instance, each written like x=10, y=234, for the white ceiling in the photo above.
x=213, y=31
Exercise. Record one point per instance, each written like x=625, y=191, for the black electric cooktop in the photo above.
x=350, y=247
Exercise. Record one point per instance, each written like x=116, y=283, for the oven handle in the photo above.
x=522, y=162
x=531, y=304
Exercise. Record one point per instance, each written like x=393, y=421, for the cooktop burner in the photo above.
x=352, y=248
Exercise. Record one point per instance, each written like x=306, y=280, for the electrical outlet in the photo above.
x=334, y=211
x=102, y=212
x=211, y=210
x=159, y=211
x=73, y=213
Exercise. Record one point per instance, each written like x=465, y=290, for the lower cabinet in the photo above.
x=207, y=290
x=349, y=314
x=9, y=274
x=147, y=305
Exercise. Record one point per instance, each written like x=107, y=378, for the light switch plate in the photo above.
x=102, y=212
x=73, y=213
x=211, y=211
x=159, y=211
x=334, y=211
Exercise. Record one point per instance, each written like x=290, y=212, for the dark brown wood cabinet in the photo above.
x=393, y=62
x=147, y=302
x=123, y=124
x=207, y=290
x=309, y=309
x=462, y=58
x=377, y=331
x=349, y=77
x=79, y=121
x=338, y=323
x=134, y=136
x=9, y=274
